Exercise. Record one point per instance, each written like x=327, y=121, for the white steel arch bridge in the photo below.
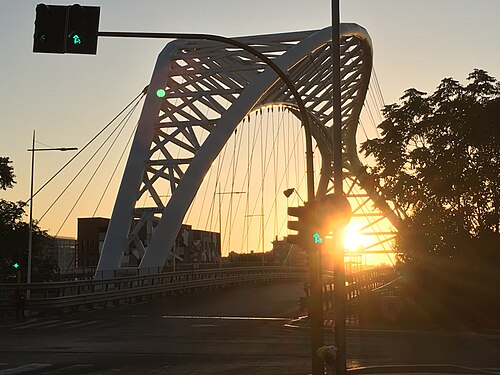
x=199, y=93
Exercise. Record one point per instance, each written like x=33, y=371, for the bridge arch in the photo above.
x=208, y=88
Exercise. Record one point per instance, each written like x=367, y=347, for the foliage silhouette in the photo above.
x=14, y=237
x=439, y=158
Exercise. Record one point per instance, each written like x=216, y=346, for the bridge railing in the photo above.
x=89, y=294
x=356, y=284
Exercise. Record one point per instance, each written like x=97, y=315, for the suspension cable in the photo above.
x=123, y=122
x=138, y=97
x=115, y=169
x=91, y=158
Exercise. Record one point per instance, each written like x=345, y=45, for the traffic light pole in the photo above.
x=315, y=269
x=339, y=271
x=316, y=307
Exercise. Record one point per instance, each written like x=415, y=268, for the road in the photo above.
x=227, y=331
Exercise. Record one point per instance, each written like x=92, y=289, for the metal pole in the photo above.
x=339, y=274
x=30, y=235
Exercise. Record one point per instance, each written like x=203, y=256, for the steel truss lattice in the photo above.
x=207, y=88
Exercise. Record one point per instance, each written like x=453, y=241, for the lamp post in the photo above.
x=288, y=192
x=30, y=235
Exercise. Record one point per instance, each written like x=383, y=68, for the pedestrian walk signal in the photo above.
x=66, y=29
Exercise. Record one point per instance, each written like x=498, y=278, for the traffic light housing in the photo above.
x=315, y=220
x=304, y=225
x=82, y=29
x=50, y=26
x=332, y=213
x=66, y=29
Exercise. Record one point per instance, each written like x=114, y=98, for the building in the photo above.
x=192, y=246
x=90, y=236
x=288, y=254
x=63, y=251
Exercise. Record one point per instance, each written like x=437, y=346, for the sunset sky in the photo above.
x=68, y=98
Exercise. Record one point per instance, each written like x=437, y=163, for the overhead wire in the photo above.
x=138, y=98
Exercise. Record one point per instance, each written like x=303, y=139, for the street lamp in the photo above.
x=30, y=236
x=288, y=192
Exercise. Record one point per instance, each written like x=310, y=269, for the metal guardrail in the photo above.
x=356, y=285
x=89, y=294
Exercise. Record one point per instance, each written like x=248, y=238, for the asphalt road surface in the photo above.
x=227, y=331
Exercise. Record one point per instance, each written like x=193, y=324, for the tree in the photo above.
x=14, y=236
x=6, y=174
x=439, y=158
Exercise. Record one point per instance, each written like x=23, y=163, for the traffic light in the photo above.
x=82, y=29
x=332, y=212
x=303, y=225
x=16, y=265
x=50, y=26
x=66, y=29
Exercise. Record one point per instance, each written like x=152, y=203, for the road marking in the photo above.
x=37, y=324
x=160, y=370
x=85, y=323
x=223, y=317
x=204, y=325
x=61, y=324
x=72, y=367
x=24, y=369
x=490, y=369
x=31, y=320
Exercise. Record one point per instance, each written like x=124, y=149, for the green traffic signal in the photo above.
x=16, y=265
x=75, y=39
x=50, y=23
x=66, y=29
x=161, y=93
x=317, y=238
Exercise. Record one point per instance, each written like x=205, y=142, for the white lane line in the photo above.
x=19, y=324
x=37, y=324
x=85, y=323
x=72, y=367
x=223, y=317
x=25, y=368
x=61, y=324
x=204, y=325
x=159, y=370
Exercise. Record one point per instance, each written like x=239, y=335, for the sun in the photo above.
x=353, y=240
